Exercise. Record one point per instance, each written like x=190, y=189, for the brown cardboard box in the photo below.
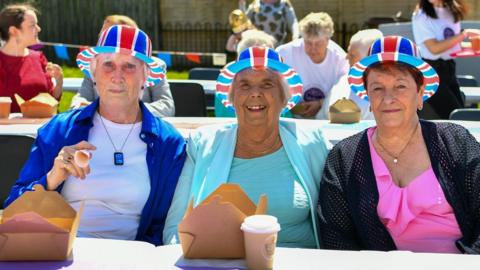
x=212, y=229
x=38, y=226
x=344, y=111
x=42, y=105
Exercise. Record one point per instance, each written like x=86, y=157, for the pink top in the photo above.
x=418, y=216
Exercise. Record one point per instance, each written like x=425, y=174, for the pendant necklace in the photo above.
x=118, y=158
x=395, y=157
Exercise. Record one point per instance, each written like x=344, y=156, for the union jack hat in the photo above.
x=393, y=49
x=126, y=39
x=259, y=58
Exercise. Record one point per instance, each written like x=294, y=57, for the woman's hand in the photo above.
x=311, y=108
x=56, y=72
x=439, y=46
x=65, y=166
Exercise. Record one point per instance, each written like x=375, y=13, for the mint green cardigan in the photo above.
x=210, y=151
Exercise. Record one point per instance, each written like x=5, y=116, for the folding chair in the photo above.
x=203, y=74
x=467, y=114
x=189, y=99
x=14, y=151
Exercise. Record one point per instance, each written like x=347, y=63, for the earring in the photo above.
x=95, y=83
x=369, y=108
x=143, y=87
x=420, y=107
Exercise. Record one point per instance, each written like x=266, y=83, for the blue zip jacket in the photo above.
x=165, y=158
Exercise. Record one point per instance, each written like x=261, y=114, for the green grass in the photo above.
x=74, y=72
x=65, y=101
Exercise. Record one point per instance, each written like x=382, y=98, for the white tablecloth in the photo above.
x=117, y=254
x=332, y=132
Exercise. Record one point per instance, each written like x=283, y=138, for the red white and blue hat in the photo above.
x=126, y=39
x=393, y=49
x=259, y=58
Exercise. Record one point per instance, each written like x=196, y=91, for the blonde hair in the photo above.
x=363, y=39
x=255, y=37
x=317, y=24
x=120, y=19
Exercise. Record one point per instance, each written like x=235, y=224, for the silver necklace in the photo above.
x=118, y=158
x=395, y=157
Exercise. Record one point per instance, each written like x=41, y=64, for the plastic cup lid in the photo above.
x=260, y=224
x=5, y=100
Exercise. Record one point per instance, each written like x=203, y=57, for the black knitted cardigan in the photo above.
x=347, y=205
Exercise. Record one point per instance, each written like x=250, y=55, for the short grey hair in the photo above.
x=363, y=39
x=283, y=84
x=255, y=37
x=318, y=24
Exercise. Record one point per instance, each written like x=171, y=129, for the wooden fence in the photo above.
x=78, y=22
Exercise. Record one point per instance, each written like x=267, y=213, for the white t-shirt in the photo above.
x=322, y=76
x=114, y=196
x=425, y=28
x=342, y=90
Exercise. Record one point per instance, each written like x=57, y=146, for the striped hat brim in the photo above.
x=355, y=75
x=156, y=73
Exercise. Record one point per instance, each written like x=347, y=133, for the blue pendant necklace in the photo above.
x=118, y=158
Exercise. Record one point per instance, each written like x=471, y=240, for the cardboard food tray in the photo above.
x=38, y=226
x=211, y=230
x=42, y=105
x=19, y=120
x=344, y=111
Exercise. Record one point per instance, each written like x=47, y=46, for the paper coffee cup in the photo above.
x=475, y=43
x=260, y=235
x=82, y=158
x=5, y=103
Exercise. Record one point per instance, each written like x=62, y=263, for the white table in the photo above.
x=332, y=132
x=472, y=94
x=117, y=254
x=72, y=84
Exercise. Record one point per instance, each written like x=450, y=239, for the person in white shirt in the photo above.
x=357, y=49
x=319, y=61
x=436, y=29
